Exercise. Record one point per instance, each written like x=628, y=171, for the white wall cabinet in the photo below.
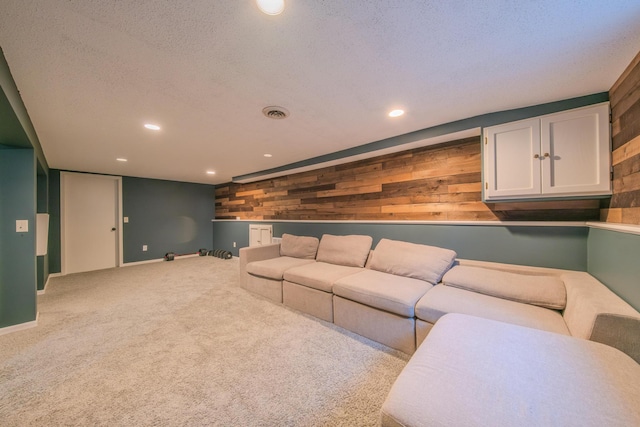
x=566, y=154
x=260, y=234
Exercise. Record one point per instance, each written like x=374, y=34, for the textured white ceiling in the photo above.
x=92, y=72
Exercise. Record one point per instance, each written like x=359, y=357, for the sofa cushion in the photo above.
x=445, y=299
x=299, y=246
x=318, y=275
x=344, y=250
x=422, y=262
x=395, y=294
x=274, y=268
x=478, y=372
x=545, y=291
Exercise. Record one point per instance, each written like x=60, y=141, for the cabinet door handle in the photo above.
x=546, y=154
x=537, y=156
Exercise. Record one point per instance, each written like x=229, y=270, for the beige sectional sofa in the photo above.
x=377, y=302
x=472, y=371
x=309, y=288
x=398, y=293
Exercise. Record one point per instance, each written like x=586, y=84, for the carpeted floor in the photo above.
x=180, y=344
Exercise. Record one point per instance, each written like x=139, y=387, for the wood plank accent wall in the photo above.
x=625, y=129
x=441, y=182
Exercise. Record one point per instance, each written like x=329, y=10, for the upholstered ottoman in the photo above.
x=471, y=371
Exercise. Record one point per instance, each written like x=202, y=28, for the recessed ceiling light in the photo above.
x=396, y=113
x=152, y=126
x=120, y=159
x=271, y=7
x=268, y=155
x=211, y=172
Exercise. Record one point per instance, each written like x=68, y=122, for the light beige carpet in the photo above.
x=180, y=344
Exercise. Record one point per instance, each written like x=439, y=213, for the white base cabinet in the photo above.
x=260, y=234
x=566, y=154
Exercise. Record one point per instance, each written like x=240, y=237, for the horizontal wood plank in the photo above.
x=437, y=183
x=628, y=150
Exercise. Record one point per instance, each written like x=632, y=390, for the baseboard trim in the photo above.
x=20, y=326
x=43, y=290
x=151, y=261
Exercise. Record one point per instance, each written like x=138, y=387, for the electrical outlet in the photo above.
x=144, y=248
x=234, y=244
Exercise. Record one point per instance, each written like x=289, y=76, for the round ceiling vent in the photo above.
x=277, y=113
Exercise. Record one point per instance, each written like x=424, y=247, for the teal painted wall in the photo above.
x=167, y=216
x=54, y=250
x=555, y=247
x=614, y=259
x=42, y=207
x=17, y=250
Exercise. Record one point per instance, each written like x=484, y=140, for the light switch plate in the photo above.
x=22, y=225
x=126, y=219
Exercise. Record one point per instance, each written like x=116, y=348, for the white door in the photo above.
x=90, y=211
x=511, y=157
x=575, y=150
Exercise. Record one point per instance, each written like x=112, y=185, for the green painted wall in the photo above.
x=555, y=247
x=17, y=250
x=16, y=129
x=54, y=250
x=167, y=216
x=614, y=259
x=42, y=207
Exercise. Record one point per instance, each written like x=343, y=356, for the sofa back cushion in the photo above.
x=422, y=262
x=344, y=250
x=298, y=246
x=543, y=291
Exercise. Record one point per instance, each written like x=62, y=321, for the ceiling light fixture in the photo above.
x=211, y=172
x=396, y=113
x=120, y=159
x=271, y=7
x=268, y=155
x=152, y=126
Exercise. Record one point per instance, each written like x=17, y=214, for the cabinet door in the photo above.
x=511, y=168
x=260, y=234
x=575, y=148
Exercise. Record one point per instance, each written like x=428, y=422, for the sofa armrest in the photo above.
x=255, y=253
x=621, y=332
x=594, y=312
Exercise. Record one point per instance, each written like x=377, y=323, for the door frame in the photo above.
x=119, y=233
